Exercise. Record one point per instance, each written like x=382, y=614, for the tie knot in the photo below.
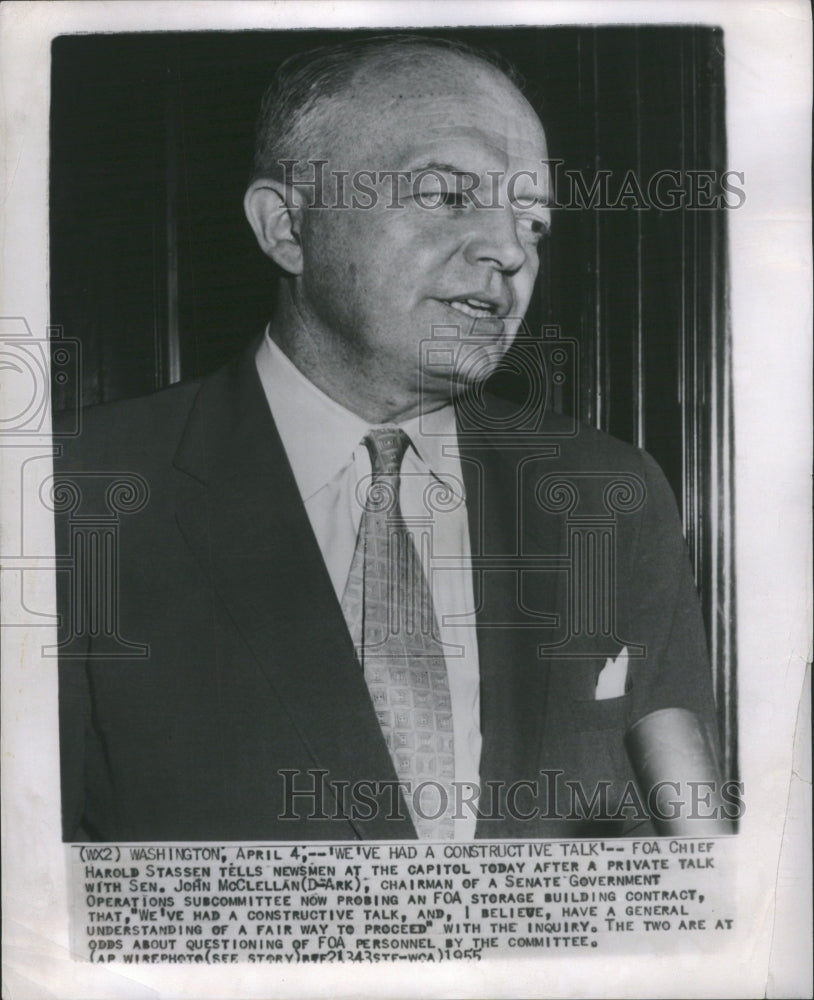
x=386, y=446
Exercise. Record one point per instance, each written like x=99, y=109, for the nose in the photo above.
x=495, y=241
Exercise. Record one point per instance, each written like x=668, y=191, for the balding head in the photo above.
x=319, y=98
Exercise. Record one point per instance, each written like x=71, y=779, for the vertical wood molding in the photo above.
x=171, y=355
x=652, y=321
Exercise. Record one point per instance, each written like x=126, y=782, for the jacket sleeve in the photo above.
x=659, y=607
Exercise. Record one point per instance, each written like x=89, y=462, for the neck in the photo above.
x=355, y=382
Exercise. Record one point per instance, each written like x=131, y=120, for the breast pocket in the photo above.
x=584, y=740
x=599, y=693
x=607, y=713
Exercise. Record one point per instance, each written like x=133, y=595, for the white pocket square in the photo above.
x=612, y=677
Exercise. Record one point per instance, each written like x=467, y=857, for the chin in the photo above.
x=477, y=362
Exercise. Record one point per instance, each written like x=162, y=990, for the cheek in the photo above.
x=345, y=244
x=326, y=242
x=331, y=266
x=524, y=284
x=358, y=265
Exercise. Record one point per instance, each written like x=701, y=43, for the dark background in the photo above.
x=156, y=272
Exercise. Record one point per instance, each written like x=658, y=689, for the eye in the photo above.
x=444, y=192
x=440, y=196
x=533, y=227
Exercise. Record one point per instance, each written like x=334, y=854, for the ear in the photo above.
x=275, y=214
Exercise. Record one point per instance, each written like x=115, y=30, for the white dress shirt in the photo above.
x=331, y=465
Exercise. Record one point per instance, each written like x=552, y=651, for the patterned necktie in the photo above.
x=388, y=608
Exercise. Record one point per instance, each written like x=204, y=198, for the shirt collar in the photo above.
x=320, y=436
x=430, y=433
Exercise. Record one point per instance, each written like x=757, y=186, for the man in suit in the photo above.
x=371, y=600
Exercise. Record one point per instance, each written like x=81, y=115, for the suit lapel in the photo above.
x=240, y=511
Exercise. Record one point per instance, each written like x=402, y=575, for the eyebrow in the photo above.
x=447, y=168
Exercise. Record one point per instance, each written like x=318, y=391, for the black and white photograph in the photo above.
x=405, y=501
x=270, y=633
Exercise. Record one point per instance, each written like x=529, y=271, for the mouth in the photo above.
x=477, y=306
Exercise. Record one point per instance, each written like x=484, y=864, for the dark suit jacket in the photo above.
x=246, y=668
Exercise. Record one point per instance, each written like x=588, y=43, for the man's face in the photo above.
x=455, y=252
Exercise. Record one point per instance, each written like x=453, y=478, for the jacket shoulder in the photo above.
x=128, y=429
x=578, y=445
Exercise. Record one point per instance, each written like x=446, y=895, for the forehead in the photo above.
x=441, y=103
